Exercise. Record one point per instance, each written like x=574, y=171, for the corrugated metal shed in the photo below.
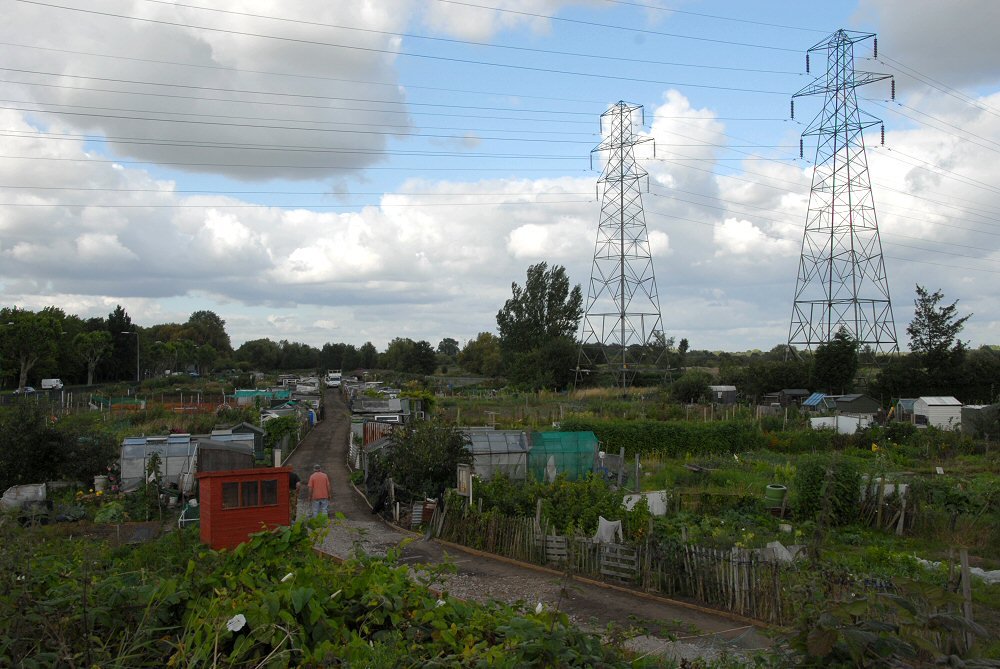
x=940, y=412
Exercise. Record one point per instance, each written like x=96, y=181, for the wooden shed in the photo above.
x=857, y=404
x=236, y=503
x=941, y=412
x=723, y=394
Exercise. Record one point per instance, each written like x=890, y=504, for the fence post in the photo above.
x=621, y=465
x=963, y=555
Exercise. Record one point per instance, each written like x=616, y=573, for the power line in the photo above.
x=453, y=40
x=595, y=24
x=219, y=205
x=715, y=16
x=422, y=168
x=466, y=61
x=362, y=81
x=257, y=103
x=263, y=192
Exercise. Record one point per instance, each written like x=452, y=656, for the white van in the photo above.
x=52, y=384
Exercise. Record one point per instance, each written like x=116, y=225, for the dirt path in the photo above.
x=484, y=578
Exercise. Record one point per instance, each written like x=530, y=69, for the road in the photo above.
x=482, y=578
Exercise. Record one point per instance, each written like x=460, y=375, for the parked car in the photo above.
x=27, y=390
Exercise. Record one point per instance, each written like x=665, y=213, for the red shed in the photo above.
x=236, y=503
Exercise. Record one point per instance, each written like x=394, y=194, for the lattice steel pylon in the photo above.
x=842, y=280
x=622, y=329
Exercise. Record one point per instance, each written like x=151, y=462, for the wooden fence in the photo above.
x=735, y=580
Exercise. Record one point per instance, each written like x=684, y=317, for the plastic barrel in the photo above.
x=774, y=495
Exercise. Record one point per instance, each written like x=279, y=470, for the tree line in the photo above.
x=534, y=347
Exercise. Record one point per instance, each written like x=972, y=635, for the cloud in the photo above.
x=471, y=22
x=247, y=107
x=951, y=42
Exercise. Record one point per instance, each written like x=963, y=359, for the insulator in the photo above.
x=893, y=88
x=875, y=42
x=807, y=63
x=793, y=108
x=802, y=148
x=883, y=135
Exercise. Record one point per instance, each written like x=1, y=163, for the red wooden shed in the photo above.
x=237, y=503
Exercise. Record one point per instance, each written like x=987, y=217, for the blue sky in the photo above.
x=354, y=171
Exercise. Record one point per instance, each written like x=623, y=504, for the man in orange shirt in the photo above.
x=319, y=493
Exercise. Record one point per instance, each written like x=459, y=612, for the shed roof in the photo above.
x=939, y=401
x=813, y=400
x=497, y=441
x=906, y=403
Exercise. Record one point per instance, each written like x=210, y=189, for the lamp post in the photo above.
x=136, y=333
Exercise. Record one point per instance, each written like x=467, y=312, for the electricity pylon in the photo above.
x=842, y=281
x=622, y=330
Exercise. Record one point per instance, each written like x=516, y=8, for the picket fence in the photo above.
x=735, y=580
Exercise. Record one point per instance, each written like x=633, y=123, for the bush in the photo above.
x=828, y=485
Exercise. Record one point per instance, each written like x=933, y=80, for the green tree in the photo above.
x=691, y=387
x=421, y=457
x=481, y=355
x=205, y=327
x=396, y=354
x=540, y=316
x=934, y=334
x=448, y=347
x=682, y=349
x=368, y=355
x=121, y=363
x=91, y=347
x=262, y=354
x=421, y=358
x=29, y=338
x=835, y=363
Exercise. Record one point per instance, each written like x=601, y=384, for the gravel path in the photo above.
x=481, y=578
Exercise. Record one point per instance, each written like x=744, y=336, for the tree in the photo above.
x=544, y=309
x=92, y=347
x=205, y=327
x=422, y=457
x=448, y=347
x=682, y=349
x=481, y=355
x=421, y=358
x=368, y=355
x=121, y=363
x=262, y=354
x=29, y=338
x=691, y=387
x=836, y=362
x=934, y=332
x=535, y=325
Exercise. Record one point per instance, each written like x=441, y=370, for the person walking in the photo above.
x=319, y=492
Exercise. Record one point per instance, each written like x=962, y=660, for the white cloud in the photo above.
x=951, y=42
x=225, y=97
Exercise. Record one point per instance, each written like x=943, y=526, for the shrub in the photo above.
x=828, y=484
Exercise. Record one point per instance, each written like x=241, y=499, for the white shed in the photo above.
x=941, y=412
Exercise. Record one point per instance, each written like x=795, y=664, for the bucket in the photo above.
x=774, y=495
x=100, y=483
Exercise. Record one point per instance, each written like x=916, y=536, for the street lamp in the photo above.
x=136, y=333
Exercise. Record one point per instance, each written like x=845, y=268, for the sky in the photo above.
x=359, y=170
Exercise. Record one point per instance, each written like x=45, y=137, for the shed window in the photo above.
x=269, y=492
x=243, y=494
x=230, y=495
